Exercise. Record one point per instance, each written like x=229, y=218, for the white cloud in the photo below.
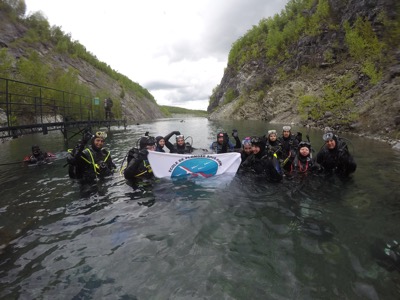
x=177, y=49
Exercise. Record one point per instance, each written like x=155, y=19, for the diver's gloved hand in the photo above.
x=176, y=132
x=86, y=138
x=235, y=133
x=102, y=168
x=79, y=147
x=33, y=159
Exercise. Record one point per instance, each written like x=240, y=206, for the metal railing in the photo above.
x=24, y=103
x=29, y=108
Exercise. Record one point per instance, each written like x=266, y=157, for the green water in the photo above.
x=213, y=239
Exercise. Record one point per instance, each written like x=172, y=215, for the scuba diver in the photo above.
x=164, y=141
x=38, y=156
x=289, y=144
x=87, y=164
x=273, y=146
x=334, y=157
x=223, y=145
x=138, y=164
x=182, y=147
x=108, y=104
x=260, y=163
x=303, y=162
x=247, y=149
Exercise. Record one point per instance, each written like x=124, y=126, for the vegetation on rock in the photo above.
x=29, y=57
x=170, y=110
x=342, y=55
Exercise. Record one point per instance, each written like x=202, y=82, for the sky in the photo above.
x=176, y=49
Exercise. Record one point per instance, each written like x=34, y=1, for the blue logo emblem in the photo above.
x=196, y=167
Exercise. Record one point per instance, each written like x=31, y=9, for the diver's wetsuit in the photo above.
x=138, y=165
x=222, y=148
x=337, y=160
x=168, y=144
x=274, y=147
x=289, y=146
x=185, y=149
x=261, y=164
x=37, y=155
x=91, y=163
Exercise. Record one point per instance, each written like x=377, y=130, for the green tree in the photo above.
x=16, y=7
x=337, y=98
x=39, y=28
x=366, y=48
x=32, y=69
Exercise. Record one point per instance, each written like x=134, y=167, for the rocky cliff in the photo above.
x=135, y=107
x=322, y=67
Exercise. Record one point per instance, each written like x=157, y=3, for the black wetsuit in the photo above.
x=138, y=165
x=185, y=149
x=274, y=147
x=337, y=160
x=38, y=157
x=226, y=146
x=168, y=144
x=92, y=163
x=261, y=164
x=289, y=146
x=244, y=155
x=303, y=165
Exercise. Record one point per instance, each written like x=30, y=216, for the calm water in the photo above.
x=211, y=239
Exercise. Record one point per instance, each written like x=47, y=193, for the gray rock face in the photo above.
x=313, y=63
x=134, y=107
x=396, y=146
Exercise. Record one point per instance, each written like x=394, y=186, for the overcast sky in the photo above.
x=177, y=49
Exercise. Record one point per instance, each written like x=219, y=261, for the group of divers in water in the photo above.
x=270, y=155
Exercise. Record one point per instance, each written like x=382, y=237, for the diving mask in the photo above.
x=101, y=134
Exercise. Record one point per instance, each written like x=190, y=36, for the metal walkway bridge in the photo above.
x=28, y=108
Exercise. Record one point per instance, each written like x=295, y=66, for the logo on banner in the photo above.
x=203, y=167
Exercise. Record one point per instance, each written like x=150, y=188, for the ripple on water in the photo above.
x=236, y=238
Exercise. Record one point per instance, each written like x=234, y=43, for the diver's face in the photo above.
x=255, y=149
x=161, y=143
x=286, y=134
x=180, y=142
x=272, y=137
x=98, y=143
x=220, y=140
x=304, y=151
x=248, y=149
x=331, y=144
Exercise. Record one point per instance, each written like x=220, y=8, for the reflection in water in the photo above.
x=229, y=237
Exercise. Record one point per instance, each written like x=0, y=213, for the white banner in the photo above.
x=194, y=165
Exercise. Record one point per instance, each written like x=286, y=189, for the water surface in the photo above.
x=241, y=238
